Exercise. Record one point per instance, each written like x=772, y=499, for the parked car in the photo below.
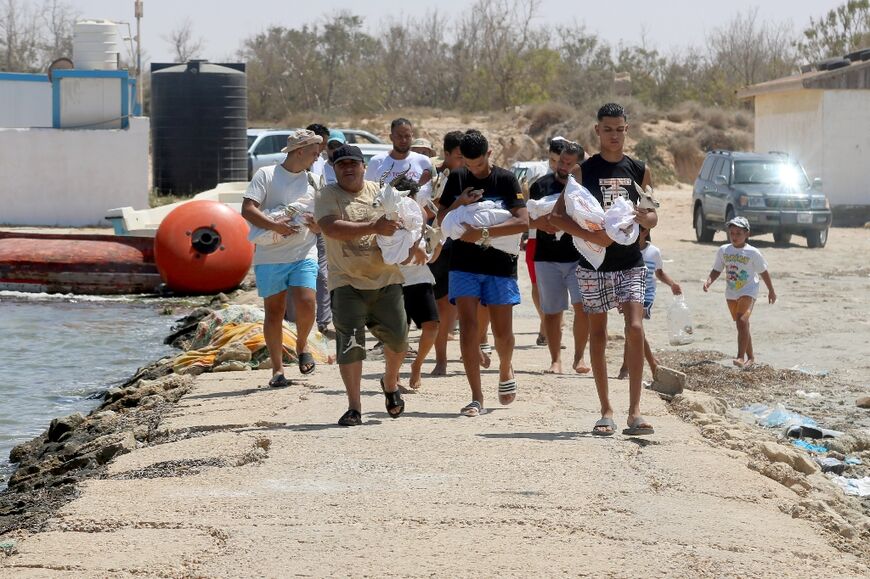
x=771, y=190
x=264, y=148
x=369, y=150
x=359, y=137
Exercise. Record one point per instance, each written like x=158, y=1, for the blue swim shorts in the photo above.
x=274, y=278
x=491, y=290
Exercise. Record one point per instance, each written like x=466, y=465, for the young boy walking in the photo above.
x=743, y=265
x=652, y=257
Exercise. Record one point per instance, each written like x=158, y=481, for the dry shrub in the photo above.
x=710, y=138
x=676, y=116
x=743, y=120
x=647, y=150
x=687, y=159
x=717, y=119
x=546, y=115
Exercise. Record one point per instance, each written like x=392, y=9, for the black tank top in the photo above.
x=606, y=181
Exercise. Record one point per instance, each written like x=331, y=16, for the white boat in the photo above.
x=144, y=222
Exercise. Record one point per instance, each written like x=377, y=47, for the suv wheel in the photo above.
x=702, y=233
x=817, y=238
x=781, y=238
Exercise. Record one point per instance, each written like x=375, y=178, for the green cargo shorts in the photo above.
x=382, y=311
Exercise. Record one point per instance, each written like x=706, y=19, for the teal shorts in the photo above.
x=274, y=278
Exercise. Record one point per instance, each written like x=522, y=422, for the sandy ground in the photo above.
x=257, y=482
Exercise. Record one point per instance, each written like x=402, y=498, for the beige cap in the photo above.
x=301, y=138
x=423, y=144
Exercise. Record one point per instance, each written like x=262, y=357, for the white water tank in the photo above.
x=95, y=45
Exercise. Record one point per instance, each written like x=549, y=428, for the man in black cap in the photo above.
x=366, y=292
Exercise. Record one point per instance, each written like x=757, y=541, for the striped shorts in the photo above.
x=605, y=290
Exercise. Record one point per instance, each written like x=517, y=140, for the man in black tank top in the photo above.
x=621, y=278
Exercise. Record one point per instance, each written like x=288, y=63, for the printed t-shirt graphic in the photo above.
x=606, y=181
x=741, y=268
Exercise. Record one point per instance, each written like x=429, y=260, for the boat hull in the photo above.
x=77, y=264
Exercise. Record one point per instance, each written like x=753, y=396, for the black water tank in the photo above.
x=199, y=118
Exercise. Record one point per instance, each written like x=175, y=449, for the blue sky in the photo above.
x=223, y=24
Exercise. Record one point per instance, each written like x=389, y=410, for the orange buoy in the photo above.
x=202, y=247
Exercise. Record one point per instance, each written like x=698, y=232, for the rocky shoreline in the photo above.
x=78, y=447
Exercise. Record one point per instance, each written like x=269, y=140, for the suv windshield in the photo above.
x=251, y=139
x=770, y=173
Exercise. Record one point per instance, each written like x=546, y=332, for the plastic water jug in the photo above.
x=680, y=326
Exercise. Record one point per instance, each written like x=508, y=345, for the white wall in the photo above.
x=828, y=131
x=792, y=122
x=847, y=146
x=93, y=103
x=63, y=177
x=25, y=103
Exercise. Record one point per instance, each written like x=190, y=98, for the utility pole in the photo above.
x=138, y=14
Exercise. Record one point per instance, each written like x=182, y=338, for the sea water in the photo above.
x=57, y=353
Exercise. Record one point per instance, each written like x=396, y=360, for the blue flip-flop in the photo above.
x=605, y=422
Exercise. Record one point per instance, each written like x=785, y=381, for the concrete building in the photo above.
x=822, y=118
x=70, y=147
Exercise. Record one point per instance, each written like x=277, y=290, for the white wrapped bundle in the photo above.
x=396, y=248
x=586, y=212
x=260, y=236
x=619, y=222
x=543, y=206
x=479, y=215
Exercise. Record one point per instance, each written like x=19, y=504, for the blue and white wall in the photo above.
x=70, y=149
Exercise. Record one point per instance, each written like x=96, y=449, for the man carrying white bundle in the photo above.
x=620, y=280
x=479, y=273
x=290, y=262
x=401, y=160
x=556, y=261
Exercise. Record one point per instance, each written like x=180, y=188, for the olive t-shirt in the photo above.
x=501, y=187
x=354, y=262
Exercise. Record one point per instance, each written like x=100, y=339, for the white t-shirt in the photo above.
x=415, y=274
x=383, y=163
x=741, y=267
x=329, y=174
x=274, y=186
x=318, y=165
x=652, y=258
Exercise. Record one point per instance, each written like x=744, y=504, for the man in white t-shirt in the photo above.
x=290, y=264
x=322, y=157
x=324, y=307
x=335, y=140
x=385, y=167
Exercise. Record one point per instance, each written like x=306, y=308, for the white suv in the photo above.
x=264, y=148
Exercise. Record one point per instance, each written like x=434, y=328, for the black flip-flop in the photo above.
x=394, y=401
x=306, y=363
x=350, y=418
x=279, y=381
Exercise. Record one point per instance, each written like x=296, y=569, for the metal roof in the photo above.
x=850, y=76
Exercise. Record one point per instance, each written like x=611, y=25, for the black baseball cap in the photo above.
x=347, y=152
